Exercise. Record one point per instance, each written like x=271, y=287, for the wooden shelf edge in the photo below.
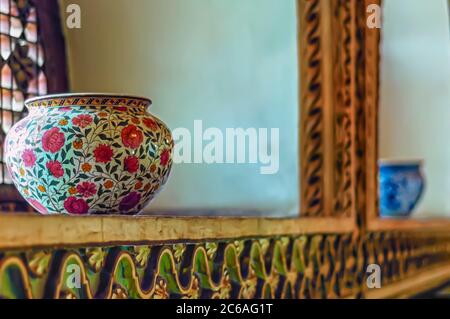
x=422, y=281
x=22, y=231
x=423, y=225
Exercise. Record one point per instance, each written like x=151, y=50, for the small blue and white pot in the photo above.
x=401, y=186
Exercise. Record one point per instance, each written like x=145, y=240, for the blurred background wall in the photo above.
x=230, y=63
x=415, y=93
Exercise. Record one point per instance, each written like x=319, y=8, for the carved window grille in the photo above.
x=32, y=63
x=21, y=65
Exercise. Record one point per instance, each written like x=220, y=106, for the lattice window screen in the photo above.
x=21, y=65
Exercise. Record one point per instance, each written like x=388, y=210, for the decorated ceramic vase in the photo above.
x=84, y=154
x=401, y=187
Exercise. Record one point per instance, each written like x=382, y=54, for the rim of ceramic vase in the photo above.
x=88, y=94
x=400, y=161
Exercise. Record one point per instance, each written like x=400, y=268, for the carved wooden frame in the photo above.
x=322, y=254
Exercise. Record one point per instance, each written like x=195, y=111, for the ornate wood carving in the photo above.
x=371, y=97
x=312, y=109
x=339, y=64
x=315, y=266
x=343, y=29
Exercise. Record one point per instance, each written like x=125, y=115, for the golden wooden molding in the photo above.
x=19, y=231
x=413, y=224
x=371, y=107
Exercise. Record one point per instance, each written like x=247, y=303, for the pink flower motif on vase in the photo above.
x=55, y=168
x=86, y=189
x=103, y=153
x=165, y=156
x=131, y=164
x=29, y=158
x=150, y=123
x=76, y=206
x=53, y=140
x=132, y=137
x=82, y=120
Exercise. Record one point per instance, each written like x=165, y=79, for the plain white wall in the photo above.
x=415, y=93
x=231, y=63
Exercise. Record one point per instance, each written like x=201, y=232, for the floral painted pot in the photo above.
x=401, y=187
x=89, y=154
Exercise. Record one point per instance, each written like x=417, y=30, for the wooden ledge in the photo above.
x=23, y=231
x=422, y=281
x=410, y=224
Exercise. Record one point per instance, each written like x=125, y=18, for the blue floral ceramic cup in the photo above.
x=401, y=187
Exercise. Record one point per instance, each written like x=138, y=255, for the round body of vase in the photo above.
x=401, y=187
x=89, y=154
